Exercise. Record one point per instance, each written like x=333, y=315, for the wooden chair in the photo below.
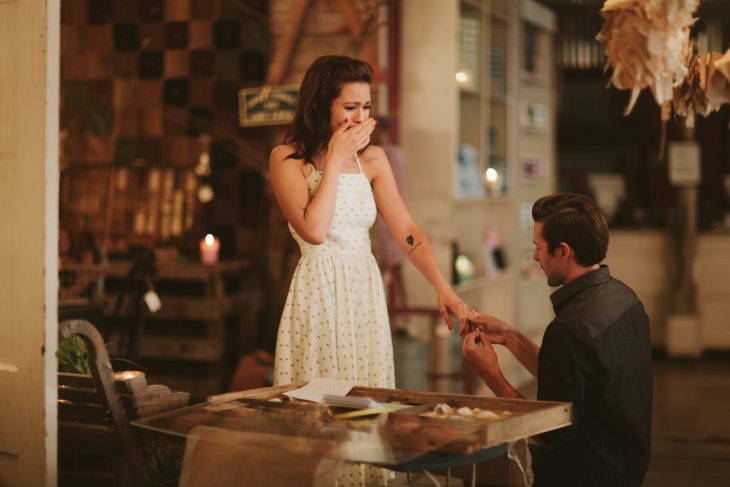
x=95, y=443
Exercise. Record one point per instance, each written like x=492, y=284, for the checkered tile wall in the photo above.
x=140, y=77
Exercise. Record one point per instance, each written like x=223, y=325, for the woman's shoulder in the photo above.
x=284, y=160
x=285, y=155
x=373, y=154
x=375, y=159
x=282, y=152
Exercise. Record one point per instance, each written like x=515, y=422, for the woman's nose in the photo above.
x=359, y=116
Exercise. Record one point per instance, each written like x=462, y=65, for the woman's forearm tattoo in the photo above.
x=412, y=244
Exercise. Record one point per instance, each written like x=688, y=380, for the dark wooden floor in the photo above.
x=691, y=427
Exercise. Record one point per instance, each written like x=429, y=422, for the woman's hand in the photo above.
x=494, y=329
x=449, y=302
x=347, y=141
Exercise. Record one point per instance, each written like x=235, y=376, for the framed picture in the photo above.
x=267, y=105
x=533, y=117
x=534, y=167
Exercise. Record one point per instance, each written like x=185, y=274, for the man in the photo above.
x=595, y=353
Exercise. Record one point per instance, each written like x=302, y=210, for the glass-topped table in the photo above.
x=403, y=439
x=383, y=439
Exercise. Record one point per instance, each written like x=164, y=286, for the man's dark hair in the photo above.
x=576, y=220
x=311, y=128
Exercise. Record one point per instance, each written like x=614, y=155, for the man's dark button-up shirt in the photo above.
x=597, y=355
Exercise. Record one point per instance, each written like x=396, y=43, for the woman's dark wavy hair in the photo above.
x=311, y=129
x=576, y=220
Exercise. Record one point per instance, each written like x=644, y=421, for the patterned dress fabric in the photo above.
x=335, y=320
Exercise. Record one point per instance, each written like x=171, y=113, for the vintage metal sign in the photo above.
x=267, y=105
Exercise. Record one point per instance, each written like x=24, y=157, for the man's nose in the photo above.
x=535, y=257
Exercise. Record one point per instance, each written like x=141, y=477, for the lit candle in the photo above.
x=128, y=375
x=134, y=380
x=209, y=247
x=491, y=177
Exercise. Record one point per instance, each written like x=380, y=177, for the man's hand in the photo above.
x=494, y=329
x=478, y=353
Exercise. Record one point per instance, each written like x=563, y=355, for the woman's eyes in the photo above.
x=350, y=108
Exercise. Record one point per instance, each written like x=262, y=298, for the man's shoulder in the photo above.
x=567, y=326
x=613, y=282
x=594, y=310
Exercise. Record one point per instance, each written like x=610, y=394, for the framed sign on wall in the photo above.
x=267, y=105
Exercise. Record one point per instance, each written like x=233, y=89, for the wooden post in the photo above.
x=282, y=52
x=354, y=23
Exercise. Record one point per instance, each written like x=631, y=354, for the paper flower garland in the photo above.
x=706, y=86
x=647, y=45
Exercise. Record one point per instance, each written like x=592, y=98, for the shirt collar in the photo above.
x=592, y=278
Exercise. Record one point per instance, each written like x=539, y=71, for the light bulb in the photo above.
x=491, y=175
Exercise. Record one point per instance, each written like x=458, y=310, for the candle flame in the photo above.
x=127, y=374
x=491, y=174
x=209, y=239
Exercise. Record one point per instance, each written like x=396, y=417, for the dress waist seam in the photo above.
x=337, y=252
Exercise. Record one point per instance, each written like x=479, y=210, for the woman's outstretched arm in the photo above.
x=411, y=238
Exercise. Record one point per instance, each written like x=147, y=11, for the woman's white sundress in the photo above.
x=335, y=320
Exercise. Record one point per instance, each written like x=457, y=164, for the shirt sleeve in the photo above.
x=564, y=370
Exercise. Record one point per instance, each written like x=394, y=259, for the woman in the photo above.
x=329, y=182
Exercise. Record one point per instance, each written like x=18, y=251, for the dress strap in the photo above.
x=357, y=161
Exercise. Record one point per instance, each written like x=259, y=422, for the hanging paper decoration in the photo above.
x=647, y=45
x=706, y=86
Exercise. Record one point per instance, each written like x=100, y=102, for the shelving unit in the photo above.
x=535, y=156
x=207, y=313
x=459, y=119
x=124, y=206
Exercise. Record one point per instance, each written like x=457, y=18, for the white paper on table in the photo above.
x=316, y=389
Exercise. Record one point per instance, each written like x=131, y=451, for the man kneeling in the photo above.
x=596, y=353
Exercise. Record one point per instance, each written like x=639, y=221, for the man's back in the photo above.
x=597, y=354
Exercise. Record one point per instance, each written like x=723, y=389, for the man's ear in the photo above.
x=564, y=251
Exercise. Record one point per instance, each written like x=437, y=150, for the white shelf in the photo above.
x=528, y=78
x=470, y=93
x=476, y=4
x=481, y=282
x=470, y=201
x=496, y=16
x=486, y=200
